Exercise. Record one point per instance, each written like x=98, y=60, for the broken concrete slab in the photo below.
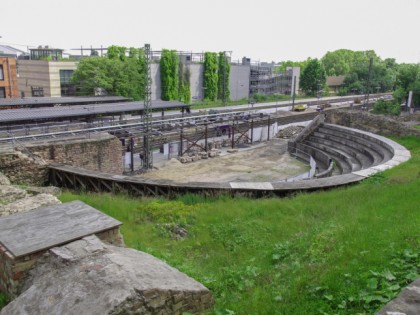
x=89, y=277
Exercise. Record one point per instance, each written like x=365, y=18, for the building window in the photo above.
x=1, y=73
x=2, y=92
x=37, y=91
x=67, y=87
x=65, y=76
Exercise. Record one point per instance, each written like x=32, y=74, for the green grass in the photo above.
x=3, y=300
x=344, y=251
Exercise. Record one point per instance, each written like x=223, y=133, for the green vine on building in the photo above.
x=223, y=91
x=210, y=81
x=169, y=74
x=184, y=90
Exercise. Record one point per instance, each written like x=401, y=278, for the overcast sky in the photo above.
x=265, y=30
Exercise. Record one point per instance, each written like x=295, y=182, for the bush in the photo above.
x=386, y=108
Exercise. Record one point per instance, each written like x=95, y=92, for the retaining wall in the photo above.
x=27, y=163
x=377, y=124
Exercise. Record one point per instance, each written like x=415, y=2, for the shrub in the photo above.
x=386, y=108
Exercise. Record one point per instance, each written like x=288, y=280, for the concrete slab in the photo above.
x=366, y=172
x=382, y=167
x=43, y=228
x=400, y=158
x=251, y=185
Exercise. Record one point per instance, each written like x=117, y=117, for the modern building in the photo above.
x=46, y=53
x=265, y=79
x=9, y=50
x=46, y=73
x=8, y=76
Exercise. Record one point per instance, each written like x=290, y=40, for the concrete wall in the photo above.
x=295, y=72
x=196, y=81
x=9, y=81
x=156, y=84
x=42, y=73
x=239, y=81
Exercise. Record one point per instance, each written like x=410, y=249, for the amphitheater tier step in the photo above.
x=357, y=156
x=341, y=160
x=366, y=140
x=374, y=157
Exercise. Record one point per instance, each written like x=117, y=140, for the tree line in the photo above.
x=122, y=72
x=386, y=75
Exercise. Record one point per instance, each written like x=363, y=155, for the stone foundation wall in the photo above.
x=28, y=163
x=377, y=124
x=22, y=169
x=13, y=270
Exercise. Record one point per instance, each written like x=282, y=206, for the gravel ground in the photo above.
x=267, y=162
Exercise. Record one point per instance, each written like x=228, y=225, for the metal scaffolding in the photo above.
x=147, y=157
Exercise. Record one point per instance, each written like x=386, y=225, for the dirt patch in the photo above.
x=267, y=162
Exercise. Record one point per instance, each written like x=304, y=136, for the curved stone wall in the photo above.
x=389, y=154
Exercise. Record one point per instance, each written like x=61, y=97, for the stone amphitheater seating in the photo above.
x=350, y=149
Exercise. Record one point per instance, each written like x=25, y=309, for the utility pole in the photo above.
x=366, y=105
x=147, y=112
x=294, y=93
x=224, y=79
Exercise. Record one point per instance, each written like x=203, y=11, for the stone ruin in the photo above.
x=59, y=259
x=90, y=277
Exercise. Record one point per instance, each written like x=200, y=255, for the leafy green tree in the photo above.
x=285, y=64
x=354, y=65
x=169, y=74
x=223, y=77
x=338, y=62
x=313, y=78
x=117, y=52
x=210, y=76
x=91, y=74
x=116, y=73
x=408, y=79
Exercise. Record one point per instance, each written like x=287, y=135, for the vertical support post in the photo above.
x=181, y=149
x=252, y=131
x=368, y=84
x=224, y=78
x=294, y=93
x=205, y=138
x=147, y=114
x=131, y=154
x=268, y=132
x=233, y=134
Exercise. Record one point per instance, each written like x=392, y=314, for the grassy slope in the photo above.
x=335, y=252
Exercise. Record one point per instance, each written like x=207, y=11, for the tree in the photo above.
x=338, y=62
x=354, y=65
x=285, y=64
x=313, y=78
x=116, y=73
x=408, y=79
